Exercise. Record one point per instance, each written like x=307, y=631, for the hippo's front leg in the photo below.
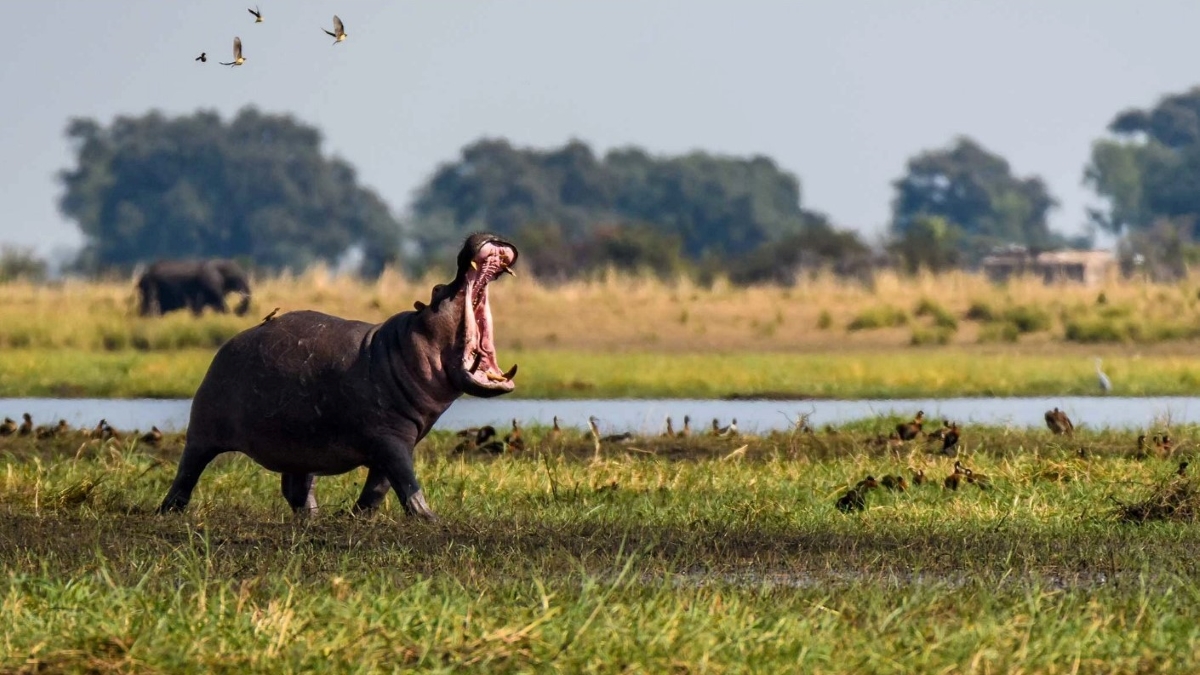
x=298, y=491
x=395, y=460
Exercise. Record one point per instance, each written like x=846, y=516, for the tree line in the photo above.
x=259, y=188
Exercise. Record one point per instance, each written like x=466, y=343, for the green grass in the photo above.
x=553, y=374
x=669, y=555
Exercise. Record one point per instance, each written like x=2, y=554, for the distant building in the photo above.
x=1085, y=267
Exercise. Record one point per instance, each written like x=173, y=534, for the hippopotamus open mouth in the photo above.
x=493, y=258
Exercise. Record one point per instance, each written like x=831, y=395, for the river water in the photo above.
x=647, y=415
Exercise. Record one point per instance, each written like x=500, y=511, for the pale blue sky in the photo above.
x=840, y=93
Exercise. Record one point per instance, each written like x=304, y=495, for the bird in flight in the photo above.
x=257, y=14
x=238, y=59
x=339, y=31
x=203, y=58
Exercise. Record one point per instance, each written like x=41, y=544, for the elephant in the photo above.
x=174, y=284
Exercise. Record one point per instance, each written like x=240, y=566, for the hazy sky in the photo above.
x=840, y=93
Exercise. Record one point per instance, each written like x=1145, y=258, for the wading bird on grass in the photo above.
x=1105, y=383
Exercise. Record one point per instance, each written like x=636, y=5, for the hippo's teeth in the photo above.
x=495, y=378
x=508, y=270
x=511, y=373
x=476, y=362
x=474, y=265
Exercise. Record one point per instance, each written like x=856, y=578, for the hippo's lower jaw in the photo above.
x=481, y=374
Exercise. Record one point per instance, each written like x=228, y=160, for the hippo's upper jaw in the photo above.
x=480, y=373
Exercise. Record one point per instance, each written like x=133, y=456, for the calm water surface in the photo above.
x=647, y=415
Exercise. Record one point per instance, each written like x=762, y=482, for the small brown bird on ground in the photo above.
x=1059, y=423
x=952, y=481
x=152, y=437
x=257, y=14
x=1165, y=446
x=105, y=431
x=1141, y=453
x=869, y=483
x=939, y=434
x=910, y=430
x=919, y=477
x=894, y=482
x=339, y=30
x=513, y=440
x=730, y=430
x=47, y=431
x=480, y=438
x=687, y=427
x=238, y=59
x=855, y=499
x=950, y=440
x=9, y=427
x=270, y=316
x=978, y=479
x=203, y=58
x=26, y=427
x=625, y=437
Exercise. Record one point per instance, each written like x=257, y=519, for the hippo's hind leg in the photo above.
x=195, y=459
x=298, y=491
x=395, y=460
x=373, y=492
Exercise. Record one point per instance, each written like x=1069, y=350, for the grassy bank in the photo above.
x=927, y=336
x=561, y=373
x=684, y=555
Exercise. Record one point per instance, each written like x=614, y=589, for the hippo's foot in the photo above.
x=417, y=506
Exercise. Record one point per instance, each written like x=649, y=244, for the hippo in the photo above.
x=308, y=394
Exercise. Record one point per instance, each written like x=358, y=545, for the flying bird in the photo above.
x=339, y=31
x=238, y=59
x=1105, y=383
x=257, y=14
x=203, y=58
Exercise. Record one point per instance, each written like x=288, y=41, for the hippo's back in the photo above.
x=297, y=374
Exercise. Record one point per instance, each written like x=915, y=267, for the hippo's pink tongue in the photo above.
x=481, y=348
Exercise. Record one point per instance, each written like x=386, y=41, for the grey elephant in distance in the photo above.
x=169, y=285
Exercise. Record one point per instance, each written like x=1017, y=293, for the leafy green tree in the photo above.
x=974, y=192
x=1150, y=173
x=21, y=263
x=930, y=242
x=711, y=205
x=257, y=187
x=818, y=245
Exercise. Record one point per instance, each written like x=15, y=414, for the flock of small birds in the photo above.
x=486, y=438
x=102, y=431
x=338, y=34
x=855, y=498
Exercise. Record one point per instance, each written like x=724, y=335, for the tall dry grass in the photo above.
x=625, y=313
